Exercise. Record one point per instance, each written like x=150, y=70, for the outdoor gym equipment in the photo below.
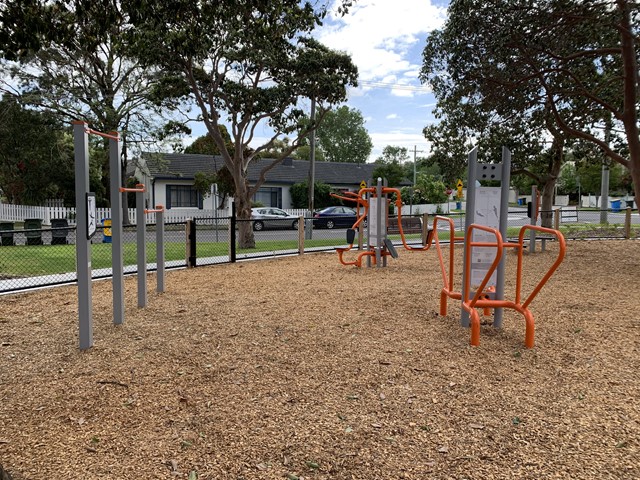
x=374, y=201
x=483, y=274
x=87, y=223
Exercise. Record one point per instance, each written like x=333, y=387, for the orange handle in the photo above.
x=139, y=188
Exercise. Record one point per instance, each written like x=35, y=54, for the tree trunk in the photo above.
x=246, y=238
x=557, y=156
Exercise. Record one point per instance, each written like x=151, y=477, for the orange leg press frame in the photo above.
x=480, y=299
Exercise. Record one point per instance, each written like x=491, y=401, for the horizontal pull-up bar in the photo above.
x=158, y=209
x=112, y=135
x=139, y=188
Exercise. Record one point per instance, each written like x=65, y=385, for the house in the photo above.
x=169, y=178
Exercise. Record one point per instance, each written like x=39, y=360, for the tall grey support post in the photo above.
x=534, y=218
x=117, y=267
x=604, y=193
x=141, y=233
x=160, y=248
x=503, y=223
x=378, y=232
x=83, y=244
x=472, y=166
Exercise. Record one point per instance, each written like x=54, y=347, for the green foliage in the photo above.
x=321, y=195
x=342, y=137
x=428, y=189
x=389, y=165
x=203, y=182
x=206, y=145
x=36, y=156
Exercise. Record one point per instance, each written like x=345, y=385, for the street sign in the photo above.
x=363, y=184
x=91, y=215
x=460, y=184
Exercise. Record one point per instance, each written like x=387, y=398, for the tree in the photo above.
x=342, y=136
x=389, y=165
x=248, y=64
x=569, y=66
x=33, y=154
x=321, y=193
x=75, y=64
x=205, y=145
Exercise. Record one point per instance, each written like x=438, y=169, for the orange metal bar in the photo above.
x=159, y=208
x=111, y=135
x=139, y=188
x=562, y=250
x=477, y=302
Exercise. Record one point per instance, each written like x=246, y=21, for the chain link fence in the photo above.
x=33, y=256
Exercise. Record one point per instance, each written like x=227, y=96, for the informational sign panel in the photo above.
x=92, y=222
x=487, y=213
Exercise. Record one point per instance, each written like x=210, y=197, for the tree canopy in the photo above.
x=247, y=64
x=342, y=137
x=564, y=68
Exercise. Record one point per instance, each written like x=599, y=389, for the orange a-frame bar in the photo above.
x=480, y=298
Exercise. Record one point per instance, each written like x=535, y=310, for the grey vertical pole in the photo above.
x=141, y=231
x=472, y=166
x=83, y=245
x=604, y=193
x=160, y=249
x=378, y=232
x=504, y=220
x=117, y=268
x=312, y=171
x=534, y=220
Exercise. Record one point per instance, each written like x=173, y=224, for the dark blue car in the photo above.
x=333, y=217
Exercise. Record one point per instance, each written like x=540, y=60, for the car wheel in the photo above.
x=330, y=224
x=294, y=225
x=258, y=226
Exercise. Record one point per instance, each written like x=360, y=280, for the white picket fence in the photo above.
x=18, y=213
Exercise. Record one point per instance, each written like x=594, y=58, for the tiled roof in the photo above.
x=290, y=171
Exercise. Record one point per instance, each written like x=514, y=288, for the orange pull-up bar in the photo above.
x=139, y=188
x=158, y=209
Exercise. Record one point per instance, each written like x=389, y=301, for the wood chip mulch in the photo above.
x=301, y=368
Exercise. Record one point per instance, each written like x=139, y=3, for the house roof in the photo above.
x=290, y=171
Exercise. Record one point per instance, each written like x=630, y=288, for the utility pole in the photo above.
x=312, y=171
x=415, y=154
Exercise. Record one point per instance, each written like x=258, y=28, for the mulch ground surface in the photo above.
x=301, y=368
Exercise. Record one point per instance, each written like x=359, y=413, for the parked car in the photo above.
x=332, y=217
x=271, y=217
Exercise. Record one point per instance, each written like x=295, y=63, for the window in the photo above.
x=269, y=196
x=183, y=196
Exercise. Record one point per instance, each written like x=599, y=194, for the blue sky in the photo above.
x=385, y=39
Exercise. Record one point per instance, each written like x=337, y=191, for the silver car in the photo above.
x=271, y=217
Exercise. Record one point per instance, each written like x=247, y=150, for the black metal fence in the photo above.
x=36, y=257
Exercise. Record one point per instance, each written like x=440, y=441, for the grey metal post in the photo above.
x=504, y=220
x=472, y=166
x=160, y=249
x=604, y=193
x=534, y=220
x=83, y=245
x=378, y=232
x=141, y=247
x=117, y=267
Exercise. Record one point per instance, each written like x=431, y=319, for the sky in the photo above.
x=385, y=39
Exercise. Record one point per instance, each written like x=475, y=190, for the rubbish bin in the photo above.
x=615, y=205
x=33, y=227
x=106, y=231
x=59, y=231
x=7, y=238
x=458, y=205
x=521, y=201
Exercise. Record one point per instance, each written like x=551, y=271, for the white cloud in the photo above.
x=408, y=140
x=379, y=34
x=391, y=116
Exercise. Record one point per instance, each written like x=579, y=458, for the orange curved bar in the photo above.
x=561, y=252
x=112, y=135
x=139, y=188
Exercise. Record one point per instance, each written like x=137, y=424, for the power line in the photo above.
x=395, y=86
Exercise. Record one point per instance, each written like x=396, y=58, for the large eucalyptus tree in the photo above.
x=250, y=64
